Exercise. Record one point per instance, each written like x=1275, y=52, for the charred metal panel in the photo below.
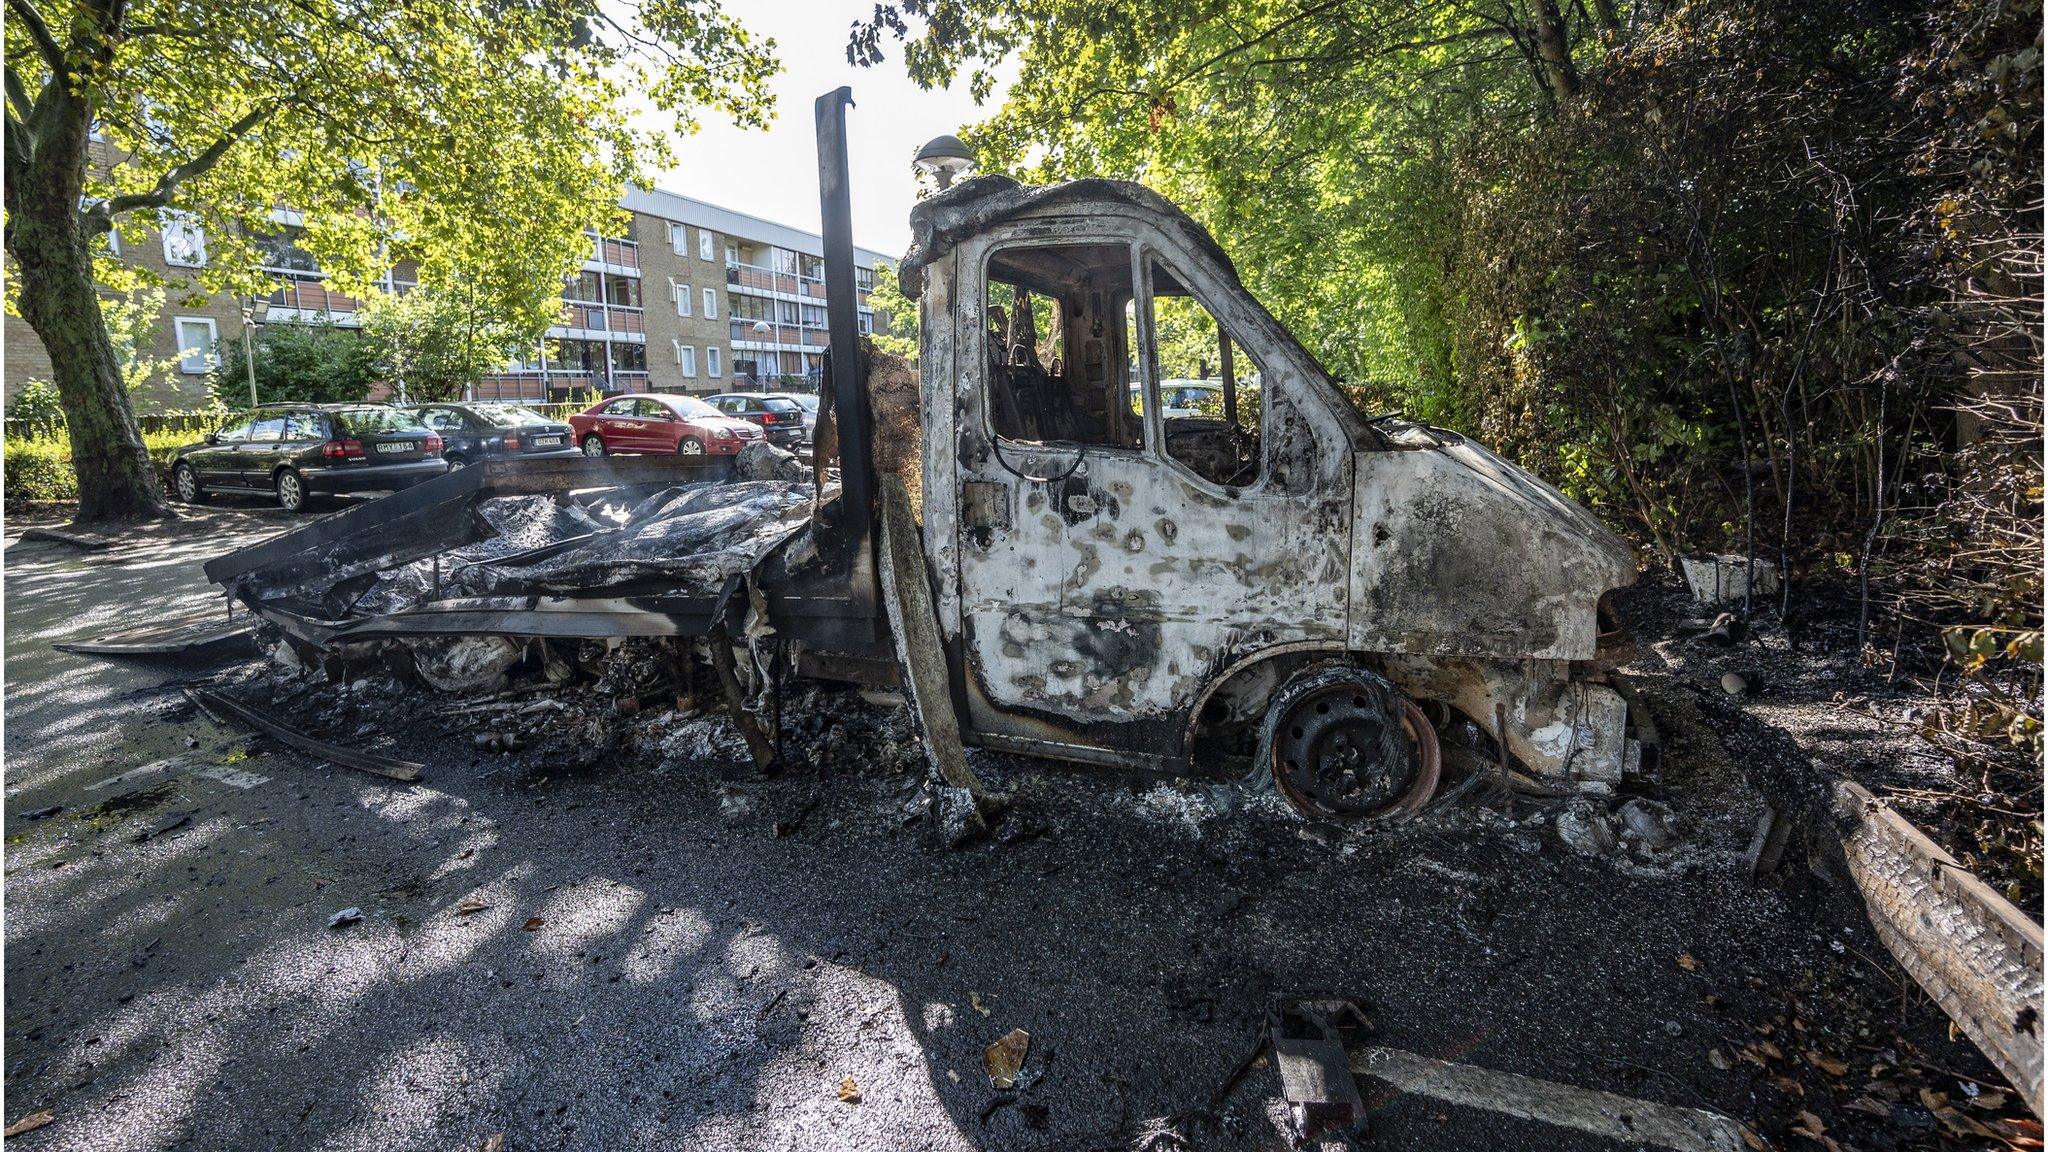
x=1459, y=552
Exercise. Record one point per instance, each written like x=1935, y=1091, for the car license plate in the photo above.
x=547, y=439
x=394, y=446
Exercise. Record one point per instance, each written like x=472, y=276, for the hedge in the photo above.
x=39, y=467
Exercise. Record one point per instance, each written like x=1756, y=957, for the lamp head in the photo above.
x=944, y=158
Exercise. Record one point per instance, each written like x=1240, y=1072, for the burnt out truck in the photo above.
x=1024, y=536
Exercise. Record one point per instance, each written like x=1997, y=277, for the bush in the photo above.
x=320, y=363
x=39, y=467
x=35, y=410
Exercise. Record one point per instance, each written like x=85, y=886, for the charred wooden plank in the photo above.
x=215, y=704
x=1975, y=954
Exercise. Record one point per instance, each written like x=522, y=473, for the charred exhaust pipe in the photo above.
x=843, y=364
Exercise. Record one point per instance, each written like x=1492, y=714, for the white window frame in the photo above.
x=686, y=359
x=711, y=303
x=681, y=293
x=203, y=352
x=705, y=243
x=175, y=225
x=678, y=238
x=714, y=361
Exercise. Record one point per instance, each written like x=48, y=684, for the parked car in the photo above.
x=659, y=423
x=778, y=416
x=297, y=452
x=808, y=401
x=473, y=430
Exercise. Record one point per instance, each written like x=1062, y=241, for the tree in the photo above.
x=899, y=336
x=486, y=137
x=319, y=363
x=434, y=343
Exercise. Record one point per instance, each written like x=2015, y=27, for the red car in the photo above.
x=654, y=423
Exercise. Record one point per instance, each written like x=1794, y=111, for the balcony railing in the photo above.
x=618, y=253
x=791, y=334
x=604, y=317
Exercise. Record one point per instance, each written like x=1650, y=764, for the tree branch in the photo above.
x=38, y=31
x=17, y=96
x=197, y=166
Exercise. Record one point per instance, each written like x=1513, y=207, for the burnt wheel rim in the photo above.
x=1354, y=751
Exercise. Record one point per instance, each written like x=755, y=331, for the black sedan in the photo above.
x=476, y=430
x=297, y=452
x=780, y=418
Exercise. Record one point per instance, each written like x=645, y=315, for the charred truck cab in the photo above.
x=1121, y=586
x=1154, y=535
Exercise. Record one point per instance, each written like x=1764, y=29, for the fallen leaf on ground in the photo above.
x=1003, y=1059
x=849, y=1092
x=974, y=998
x=469, y=906
x=1826, y=1063
x=29, y=1123
x=1686, y=961
x=532, y=922
x=1719, y=1059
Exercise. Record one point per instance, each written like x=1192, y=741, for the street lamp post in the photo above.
x=254, y=313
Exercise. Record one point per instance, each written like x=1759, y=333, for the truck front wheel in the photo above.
x=1345, y=746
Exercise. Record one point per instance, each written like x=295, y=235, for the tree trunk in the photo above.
x=1555, y=50
x=116, y=480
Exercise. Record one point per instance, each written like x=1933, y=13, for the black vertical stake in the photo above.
x=842, y=314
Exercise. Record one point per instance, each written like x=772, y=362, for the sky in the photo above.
x=774, y=173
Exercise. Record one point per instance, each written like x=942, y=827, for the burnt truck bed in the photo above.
x=445, y=558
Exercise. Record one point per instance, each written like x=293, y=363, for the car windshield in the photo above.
x=358, y=421
x=690, y=407
x=807, y=403
x=509, y=415
x=778, y=404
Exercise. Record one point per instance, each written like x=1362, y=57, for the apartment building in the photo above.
x=692, y=298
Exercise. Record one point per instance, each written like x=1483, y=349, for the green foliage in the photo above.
x=38, y=467
x=34, y=411
x=899, y=336
x=320, y=363
x=436, y=342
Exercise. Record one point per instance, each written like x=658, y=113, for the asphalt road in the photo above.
x=653, y=965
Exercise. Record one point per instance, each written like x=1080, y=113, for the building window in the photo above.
x=681, y=293
x=704, y=244
x=711, y=357
x=864, y=279
x=732, y=252
x=686, y=358
x=184, y=240
x=867, y=323
x=711, y=303
x=677, y=239
x=196, y=338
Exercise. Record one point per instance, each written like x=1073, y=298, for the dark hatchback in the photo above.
x=781, y=419
x=472, y=431
x=296, y=452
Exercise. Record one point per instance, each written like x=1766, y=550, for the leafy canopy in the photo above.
x=480, y=137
